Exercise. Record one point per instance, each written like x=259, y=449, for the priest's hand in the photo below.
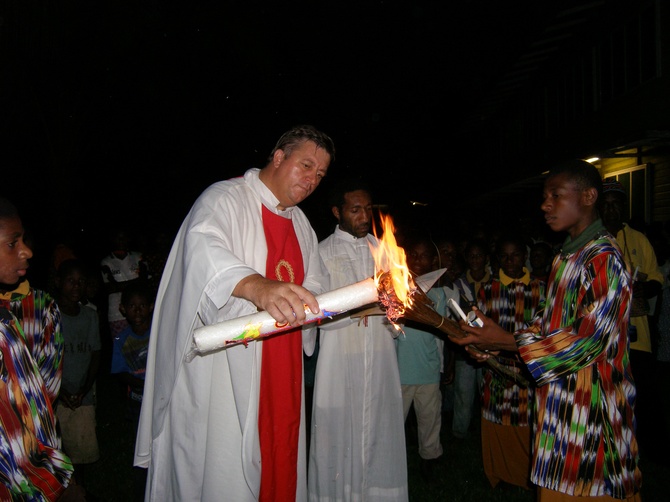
x=284, y=301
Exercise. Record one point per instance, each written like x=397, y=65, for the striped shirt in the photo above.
x=585, y=443
x=32, y=465
x=512, y=304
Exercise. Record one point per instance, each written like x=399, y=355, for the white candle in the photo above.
x=261, y=324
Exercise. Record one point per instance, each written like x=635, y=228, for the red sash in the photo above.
x=281, y=373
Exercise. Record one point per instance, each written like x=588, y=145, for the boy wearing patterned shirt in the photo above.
x=511, y=299
x=32, y=463
x=577, y=353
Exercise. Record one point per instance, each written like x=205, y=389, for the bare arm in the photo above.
x=284, y=301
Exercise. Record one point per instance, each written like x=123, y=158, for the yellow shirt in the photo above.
x=638, y=251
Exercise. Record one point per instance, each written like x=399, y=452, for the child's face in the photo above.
x=448, y=254
x=14, y=253
x=476, y=258
x=138, y=310
x=567, y=207
x=511, y=260
x=421, y=259
x=72, y=286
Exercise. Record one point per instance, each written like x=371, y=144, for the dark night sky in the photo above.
x=132, y=108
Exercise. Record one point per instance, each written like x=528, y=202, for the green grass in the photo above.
x=459, y=478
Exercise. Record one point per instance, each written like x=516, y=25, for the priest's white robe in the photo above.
x=198, y=431
x=357, y=450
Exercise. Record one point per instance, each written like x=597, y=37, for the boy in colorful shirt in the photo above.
x=32, y=463
x=578, y=353
x=512, y=300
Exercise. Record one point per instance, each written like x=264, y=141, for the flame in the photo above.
x=389, y=257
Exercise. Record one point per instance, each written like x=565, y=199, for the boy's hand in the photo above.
x=489, y=337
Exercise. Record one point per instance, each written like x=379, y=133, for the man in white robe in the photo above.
x=199, y=425
x=357, y=449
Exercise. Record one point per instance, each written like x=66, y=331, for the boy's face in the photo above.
x=421, y=259
x=476, y=258
x=356, y=215
x=448, y=254
x=14, y=253
x=137, y=310
x=72, y=286
x=566, y=206
x=511, y=260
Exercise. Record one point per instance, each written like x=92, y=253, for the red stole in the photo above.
x=281, y=372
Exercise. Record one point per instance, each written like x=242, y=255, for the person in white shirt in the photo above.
x=230, y=425
x=357, y=449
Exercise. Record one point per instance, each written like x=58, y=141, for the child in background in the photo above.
x=129, y=358
x=512, y=299
x=120, y=268
x=129, y=355
x=420, y=360
x=81, y=362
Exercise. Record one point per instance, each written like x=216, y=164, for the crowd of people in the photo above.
x=577, y=328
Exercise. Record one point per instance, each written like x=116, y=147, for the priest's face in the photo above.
x=293, y=177
x=355, y=216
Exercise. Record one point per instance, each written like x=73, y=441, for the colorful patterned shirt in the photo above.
x=512, y=304
x=578, y=354
x=40, y=321
x=32, y=465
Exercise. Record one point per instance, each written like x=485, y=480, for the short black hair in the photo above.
x=476, y=243
x=415, y=237
x=7, y=209
x=136, y=288
x=542, y=245
x=344, y=186
x=511, y=238
x=584, y=174
x=71, y=265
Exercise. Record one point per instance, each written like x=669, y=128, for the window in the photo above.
x=635, y=181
